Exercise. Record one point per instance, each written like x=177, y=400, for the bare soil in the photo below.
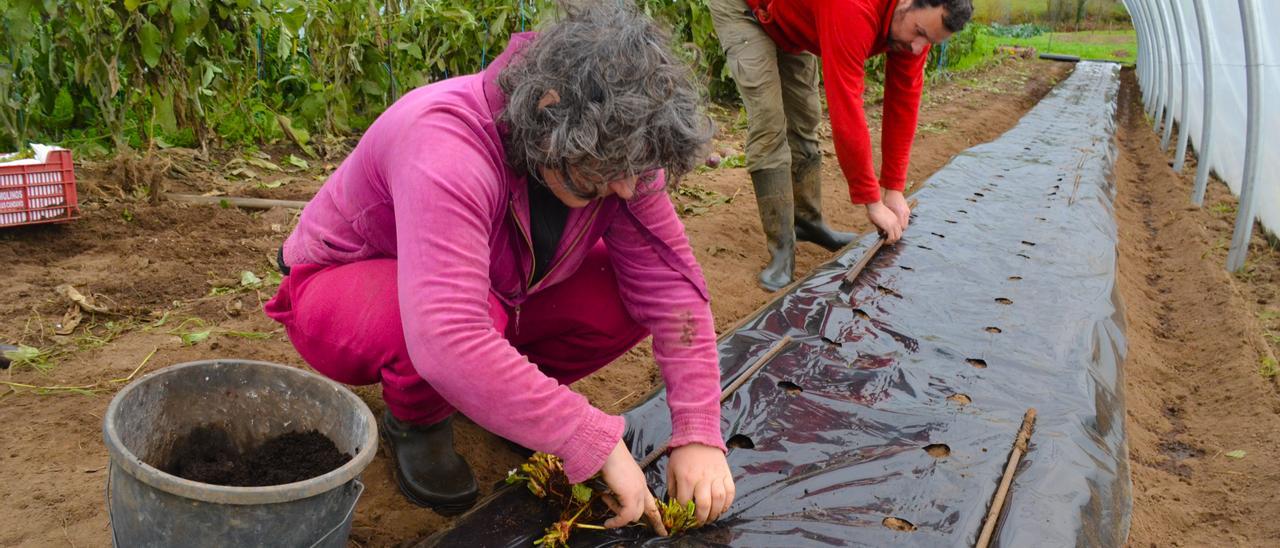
x=1203, y=412
x=169, y=276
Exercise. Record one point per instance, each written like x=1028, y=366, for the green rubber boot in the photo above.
x=773, y=198
x=806, y=176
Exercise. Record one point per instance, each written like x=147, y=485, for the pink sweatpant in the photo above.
x=345, y=322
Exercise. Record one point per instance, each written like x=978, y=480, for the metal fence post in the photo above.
x=1253, y=74
x=1169, y=66
x=1139, y=17
x=1206, y=59
x=1184, y=54
x=1157, y=68
x=1140, y=64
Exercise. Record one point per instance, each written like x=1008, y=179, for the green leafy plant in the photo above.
x=29, y=356
x=118, y=74
x=695, y=200
x=191, y=338
x=544, y=476
x=1269, y=369
x=676, y=517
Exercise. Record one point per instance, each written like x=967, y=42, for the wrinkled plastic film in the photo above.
x=902, y=392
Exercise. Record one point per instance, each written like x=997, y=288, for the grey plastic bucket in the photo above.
x=253, y=401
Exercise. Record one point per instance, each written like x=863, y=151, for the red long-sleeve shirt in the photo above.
x=845, y=33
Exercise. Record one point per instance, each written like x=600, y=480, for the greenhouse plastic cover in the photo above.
x=1010, y=260
x=1230, y=115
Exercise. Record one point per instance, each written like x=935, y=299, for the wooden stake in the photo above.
x=737, y=383
x=871, y=253
x=1015, y=456
x=864, y=261
x=246, y=203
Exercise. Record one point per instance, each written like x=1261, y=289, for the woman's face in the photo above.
x=577, y=192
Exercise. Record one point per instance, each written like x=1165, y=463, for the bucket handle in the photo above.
x=111, y=517
x=359, y=486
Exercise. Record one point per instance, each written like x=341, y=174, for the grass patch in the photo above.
x=1227, y=209
x=1120, y=46
x=1268, y=368
x=939, y=126
x=1038, y=11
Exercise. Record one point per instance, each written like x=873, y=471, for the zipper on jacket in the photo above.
x=529, y=285
x=569, y=250
x=528, y=240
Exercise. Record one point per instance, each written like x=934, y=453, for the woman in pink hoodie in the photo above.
x=495, y=237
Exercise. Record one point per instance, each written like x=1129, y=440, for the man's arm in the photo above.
x=844, y=54
x=847, y=34
x=903, y=84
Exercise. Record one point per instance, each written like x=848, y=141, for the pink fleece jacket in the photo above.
x=428, y=184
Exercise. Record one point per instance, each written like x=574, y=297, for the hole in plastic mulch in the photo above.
x=887, y=291
x=994, y=330
x=1004, y=301
x=739, y=441
x=790, y=387
x=938, y=450
x=962, y=399
x=898, y=524
x=978, y=363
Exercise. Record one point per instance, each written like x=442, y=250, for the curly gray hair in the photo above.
x=627, y=104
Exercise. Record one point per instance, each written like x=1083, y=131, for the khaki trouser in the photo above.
x=779, y=90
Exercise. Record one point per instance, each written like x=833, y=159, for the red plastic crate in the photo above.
x=39, y=193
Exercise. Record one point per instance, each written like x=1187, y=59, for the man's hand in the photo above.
x=631, y=497
x=885, y=220
x=897, y=203
x=700, y=473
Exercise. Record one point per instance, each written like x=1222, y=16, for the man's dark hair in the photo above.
x=956, y=12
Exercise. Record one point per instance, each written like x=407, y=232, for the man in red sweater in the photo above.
x=771, y=47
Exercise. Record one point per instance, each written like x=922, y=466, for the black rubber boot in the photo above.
x=773, y=198
x=518, y=449
x=428, y=470
x=806, y=176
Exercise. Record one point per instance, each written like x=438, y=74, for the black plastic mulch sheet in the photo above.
x=1002, y=294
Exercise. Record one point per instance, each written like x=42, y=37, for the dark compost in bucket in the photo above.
x=265, y=455
x=206, y=454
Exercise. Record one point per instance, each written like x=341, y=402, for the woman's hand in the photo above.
x=700, y=473
x=631, y=497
